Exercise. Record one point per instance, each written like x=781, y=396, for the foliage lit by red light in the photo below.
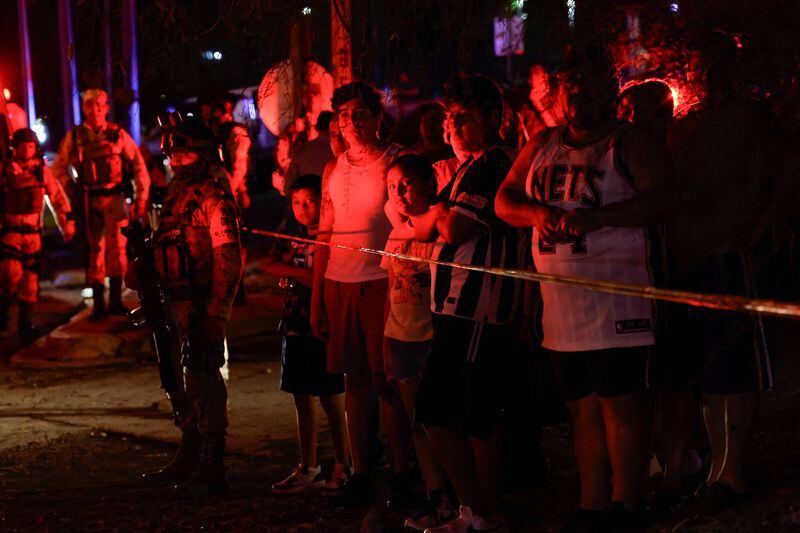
x=683, y=99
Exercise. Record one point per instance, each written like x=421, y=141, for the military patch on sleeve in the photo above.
x=223, y=225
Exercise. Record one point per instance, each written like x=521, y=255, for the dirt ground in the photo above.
x=89, y=480
x=65, y=472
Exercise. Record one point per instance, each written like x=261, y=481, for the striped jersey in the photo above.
x=589, y=177
x=465, y=293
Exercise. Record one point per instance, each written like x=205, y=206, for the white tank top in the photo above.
x=358, y=195
x=579, y=319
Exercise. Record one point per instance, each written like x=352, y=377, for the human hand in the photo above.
x=547, y=220
x=579, y=222
x=318, y=320
x=68, y=231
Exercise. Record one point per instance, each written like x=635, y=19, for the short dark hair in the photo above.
x=417, y=166
x=358, y=90
x=654, y=94
x=589, y=57
x=307, y=181
x=474, y=90
x=324, y=121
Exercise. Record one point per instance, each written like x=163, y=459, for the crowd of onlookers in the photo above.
x=581, y=181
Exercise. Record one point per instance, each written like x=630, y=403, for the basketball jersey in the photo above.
x=574, y=319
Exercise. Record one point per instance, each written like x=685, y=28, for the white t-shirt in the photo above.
x=410, y=291
x=358, y=195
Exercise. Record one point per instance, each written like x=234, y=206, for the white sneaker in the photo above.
x=301, y=479
x=338, y=476
x=459, y=524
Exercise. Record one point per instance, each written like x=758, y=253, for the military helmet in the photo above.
x=24, y=135
x=188, y=134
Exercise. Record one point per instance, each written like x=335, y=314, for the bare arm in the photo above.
x=513, y=205
x=650, y=170
x=651, y=174
x=282, y=270
x=456, y=228
x=425, y=224
x=321, y=255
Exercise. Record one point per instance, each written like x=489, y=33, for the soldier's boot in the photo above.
x=115, y=305
x=183, y=465
x=25, y=328
x=210, y=475
x=98, y=302
x=5, y=306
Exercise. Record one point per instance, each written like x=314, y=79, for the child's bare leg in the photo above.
x=306, y=429
x=333, y=405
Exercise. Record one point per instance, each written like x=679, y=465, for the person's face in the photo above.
x=408, y=194
x=357, y=123
x=586, y=99
x=305, y=206
x=25, y=150
x=283, y=152
x=96, y=110
x=465, y=128
x=431, y=127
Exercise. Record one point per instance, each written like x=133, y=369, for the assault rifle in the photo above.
x=153, y=311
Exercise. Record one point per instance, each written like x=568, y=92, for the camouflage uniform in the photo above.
x=98, y=158
x=199, y=262
x=23, y=185
x=236, y=144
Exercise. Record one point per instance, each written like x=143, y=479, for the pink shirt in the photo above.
x=358, y=195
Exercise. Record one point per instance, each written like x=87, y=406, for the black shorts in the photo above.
x=462, y=384
x=607, y=373
x=303, y=368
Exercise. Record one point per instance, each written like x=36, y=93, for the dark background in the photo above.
x=429, y=40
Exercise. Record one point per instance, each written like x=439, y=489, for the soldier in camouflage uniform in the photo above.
x=199, y=263
x=98, y=151
x=24, y=180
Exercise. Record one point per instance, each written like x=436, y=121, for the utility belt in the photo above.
x=113, y=191
x=30, y=262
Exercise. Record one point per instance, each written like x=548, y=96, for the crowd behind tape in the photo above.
x=722, y=302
